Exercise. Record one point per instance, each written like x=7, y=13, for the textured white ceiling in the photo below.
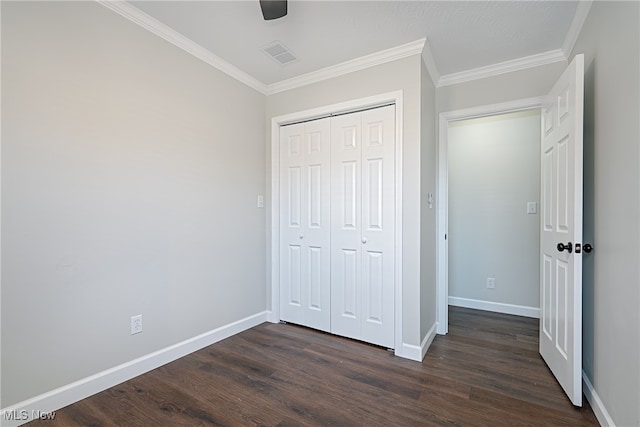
x=462, y=35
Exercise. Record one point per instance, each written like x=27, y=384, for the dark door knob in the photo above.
x=561, y=247
x=587, y=248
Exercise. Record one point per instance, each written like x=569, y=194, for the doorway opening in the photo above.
x=481, y=181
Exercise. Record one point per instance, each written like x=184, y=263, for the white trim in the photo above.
x=497, y=307
x=430, y=63
x=276, y=122
x=490, y=110
x=367, y=61
x=414, y=352
x=579, y=18
x=510, y=66
x=442, y=226
x=409, y=351
x=81, y=389
x=271, y=317
x=163, y=31
x=598, y=407
x=371, y=101
x=420, y=46
x=399, y=255
x=442, y=261
x=428, y=339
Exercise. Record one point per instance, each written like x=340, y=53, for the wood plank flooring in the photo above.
x=485, y=372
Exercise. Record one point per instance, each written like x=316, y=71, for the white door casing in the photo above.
x=561, y=223
x=442, y=266
x=304, y=224
x=362, y=230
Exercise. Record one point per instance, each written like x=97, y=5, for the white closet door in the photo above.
x=305, y=257
x=378, y=220
x=362, y=230
x=346, y=225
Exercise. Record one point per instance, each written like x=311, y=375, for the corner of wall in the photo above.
x=599, y=410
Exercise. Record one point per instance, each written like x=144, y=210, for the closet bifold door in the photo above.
x=305, y=232
x=362, y=225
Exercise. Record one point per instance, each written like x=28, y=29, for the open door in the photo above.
x=561, y=230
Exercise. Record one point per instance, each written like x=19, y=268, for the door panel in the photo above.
x=294, y=276
x=346, y=302
x=378, y=153
x=305, y=232
x=294, y=196
x=373, y=295
x=315, y=278
x=291, y=222
x=363, y=149
x=346, y=214
x=561, y=271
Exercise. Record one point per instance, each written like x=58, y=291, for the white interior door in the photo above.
x=362, y=231
x=561, y=230
x=305, y=289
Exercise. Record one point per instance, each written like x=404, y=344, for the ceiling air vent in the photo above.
x=279, y=53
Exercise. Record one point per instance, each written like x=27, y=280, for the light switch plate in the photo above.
x=532, y=208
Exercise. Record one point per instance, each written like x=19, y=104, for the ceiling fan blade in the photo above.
x=273, y=9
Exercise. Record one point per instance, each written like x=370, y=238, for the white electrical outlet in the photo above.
x=136, y=324
x=260, y=201
x=491, y=283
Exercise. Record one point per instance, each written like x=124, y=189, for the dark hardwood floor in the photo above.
x=485, y=372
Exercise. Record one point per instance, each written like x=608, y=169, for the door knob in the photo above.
x=364, y=240
x=569, y=247
x=301, y=236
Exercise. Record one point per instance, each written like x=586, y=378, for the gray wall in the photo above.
x=403, y=74
x=610, y=40
x=130, y=172
x=428, y=215
x=494, y=170
x=521, y=84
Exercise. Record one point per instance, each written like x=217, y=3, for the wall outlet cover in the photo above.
x=136, y=324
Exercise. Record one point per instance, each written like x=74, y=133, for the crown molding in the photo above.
x=430, y=63
x=503, y=67
x=378, y=58
x=576, y=26
x=151, y=24
x=420, y=46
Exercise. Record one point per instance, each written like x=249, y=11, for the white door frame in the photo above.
x=442, y=265
x=343, y=107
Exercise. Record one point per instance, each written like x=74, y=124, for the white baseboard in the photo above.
x=409, y=351
x=415, y=352
x=598, y=407
x=498, y=307
x=27, y=410
x=271, y=317
x=428, y=339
